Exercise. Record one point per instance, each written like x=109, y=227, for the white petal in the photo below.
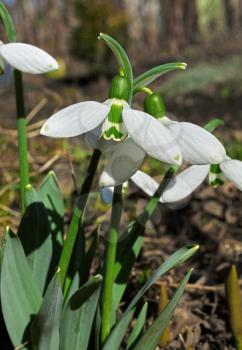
x=232, y=169
x=197, y=145
x=155, y=139
x=28, y=58
x=182, y=186
x=124, y=162
x=145, y=182
x=107, y=194
x=75, y=119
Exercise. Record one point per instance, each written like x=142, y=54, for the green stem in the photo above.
x=153, y=202
x=77, y=218
x=136, y=228
x=22, y=135
x=109, y=262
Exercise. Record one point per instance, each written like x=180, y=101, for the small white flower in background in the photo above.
x=179, y=188
x=184, y=184
x=27, y=58
x=117, y=121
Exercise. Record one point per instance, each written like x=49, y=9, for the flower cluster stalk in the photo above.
x=109, y=262
x=22, y=135
x=77, y=218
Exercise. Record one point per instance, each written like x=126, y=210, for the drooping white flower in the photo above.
x=179, y=188
x=197, y=145
x=27, y=58
x=117, y=122
x=184, y=184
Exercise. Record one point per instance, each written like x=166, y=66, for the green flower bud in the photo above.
x=154, y=105
x=120, y=88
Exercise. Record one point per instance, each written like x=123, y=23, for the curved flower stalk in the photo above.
x=27, y=58
x=117, y=121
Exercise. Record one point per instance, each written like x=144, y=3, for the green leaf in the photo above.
x=152, y=336
x=35, y=238
x=7, y=22
x=122, y=269
x=20, y=296
x=50, y=194
x=45, y=332
x=148, y=77
x=117, y=334
x=213, y=124
x=79, y=315
x=67, y=251
x=120, y=55
x=176, y=259
x=137, y=330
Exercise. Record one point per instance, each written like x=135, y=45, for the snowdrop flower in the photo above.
x=198, y=146
x=27, y=58
x=179, y=187
x=177, y=191
x=184, y=184
x=117, y=121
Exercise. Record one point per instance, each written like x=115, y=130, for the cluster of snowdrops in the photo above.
x=47, y=275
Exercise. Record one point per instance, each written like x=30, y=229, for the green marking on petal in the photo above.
x=215, y=169
x=113, y=126
x=216, y=177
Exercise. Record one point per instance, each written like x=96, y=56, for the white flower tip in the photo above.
x=184, y=65
x=106, y=180
x=45, y=129
x=178, y=160
x=53, y=65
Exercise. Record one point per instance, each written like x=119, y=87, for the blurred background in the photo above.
x=207, y=35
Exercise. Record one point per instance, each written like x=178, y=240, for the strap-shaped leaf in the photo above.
x=35, y=238
x=176, y=259
x=45, y=332
x=213, y=124
x=122, y=269
x=20, y=297
x=151, y=338
x=117, y=334
x=50, y=194
x=120, y=55
x=78, y=316
x=7, y=22
x=148, y=77
x=139, y=325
